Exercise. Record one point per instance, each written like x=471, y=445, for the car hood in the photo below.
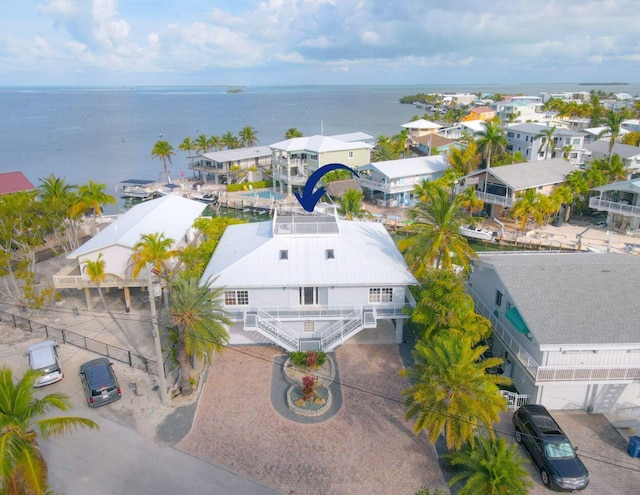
x=568, y=468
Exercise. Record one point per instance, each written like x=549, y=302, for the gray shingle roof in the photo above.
x=521, y=176
x=624, y=150
x=573, y=299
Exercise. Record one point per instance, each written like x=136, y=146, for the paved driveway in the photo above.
x=367, y=447
x=602, y=449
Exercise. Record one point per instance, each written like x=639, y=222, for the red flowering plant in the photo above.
x=308, y=387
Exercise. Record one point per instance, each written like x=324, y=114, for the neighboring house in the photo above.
x=525, y=139
x=508, y=110
x=419, y=128
x=225, y=166
x=593, y=134
x=392, y=182
x=309, y=280
x=566, y=324
x=621, y=201
x=631, y=125
x=294, y=160
x=458, y=130
x=498, y=186
x=479, y=113
x=170, y=215
x=630, y=155
x=433, y=144
x=353, y=137
x=13, y=182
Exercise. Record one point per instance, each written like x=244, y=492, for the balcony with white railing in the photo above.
x=348, y=320
x=620, y=207
x=294, y=179
x=554, y=374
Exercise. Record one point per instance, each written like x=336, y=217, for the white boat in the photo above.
x=209, y=198
x=137, y=189
x=473, y=232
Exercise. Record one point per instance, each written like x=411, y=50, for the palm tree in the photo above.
x=434, y=239
x=202, y=144
x=163, y=151
x=350, y=205
x=23, y=468
x=92, y=197
x=612, y=127
x=490, y=141
x=490, y=467
x=424, y=189
x=229, y=140
x=248, y=137
x=95, y=269
x=154, y=251
x=464, y=160
x=470, y=201
x=198, y=317
x=292, y=133
x=59, y=198
x=383, y=152
x=613, y=170
x=215, y=143
x=528, y=205
x=188, y=146
x=548, y=142
x=451, y=391
x=444, y=307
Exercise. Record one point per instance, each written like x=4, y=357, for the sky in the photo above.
x=291, y=42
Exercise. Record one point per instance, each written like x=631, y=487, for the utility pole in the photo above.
x=164, y=398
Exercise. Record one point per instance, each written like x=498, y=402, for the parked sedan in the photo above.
x=43, y=357
x=99, y=382
x=552, y=452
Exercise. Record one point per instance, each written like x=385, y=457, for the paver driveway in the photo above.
x=367, y=447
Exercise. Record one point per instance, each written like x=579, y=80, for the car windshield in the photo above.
x=559, y=450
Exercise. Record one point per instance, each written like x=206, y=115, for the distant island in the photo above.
x=234, y=90
x=604, y=84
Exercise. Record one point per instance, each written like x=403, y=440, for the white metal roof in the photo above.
x=238, y=154
x=317, y=144
x=354, y=136
x=248, y=256
x=171, y=215
x=421, y=124
x=409, y=167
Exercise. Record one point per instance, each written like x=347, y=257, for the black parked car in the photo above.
x=560, y=467
x=99, y=382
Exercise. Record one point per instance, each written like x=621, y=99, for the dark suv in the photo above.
x=99, y=382
x=560, y=468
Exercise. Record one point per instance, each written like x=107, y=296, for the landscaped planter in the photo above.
x=310, y=408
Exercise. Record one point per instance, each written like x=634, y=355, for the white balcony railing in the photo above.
x=615, y=207
x=385, y=187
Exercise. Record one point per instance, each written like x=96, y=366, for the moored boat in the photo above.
x=473, y=232
x=137, y=189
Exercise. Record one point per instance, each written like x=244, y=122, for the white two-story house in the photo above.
x=566, y=323
x=294, y=160
x=309, y=280
x=526, y=139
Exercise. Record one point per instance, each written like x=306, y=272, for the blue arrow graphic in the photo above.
x=309, y=198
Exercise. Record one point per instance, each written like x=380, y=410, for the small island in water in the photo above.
x=604, y=84
x=234, y=90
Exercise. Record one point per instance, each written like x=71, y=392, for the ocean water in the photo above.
x=106, y=134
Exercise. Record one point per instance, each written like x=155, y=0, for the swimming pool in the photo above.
x=264, y=195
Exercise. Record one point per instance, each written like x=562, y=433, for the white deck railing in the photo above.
x=615, y=207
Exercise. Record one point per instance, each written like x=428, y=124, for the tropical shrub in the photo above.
x=309, y=359
x=308, y=387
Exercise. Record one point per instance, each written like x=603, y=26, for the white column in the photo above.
x=399, y=334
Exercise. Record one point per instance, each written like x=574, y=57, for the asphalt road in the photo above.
x=119, y=461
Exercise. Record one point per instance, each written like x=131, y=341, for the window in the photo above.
x=350, y=154
x=308, y=296
x=284, y=254
x=380, y=295
x=308, y=327
x=498, y=298
x=330, y=254
x=236, y=297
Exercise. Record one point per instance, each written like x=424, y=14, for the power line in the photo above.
x=588, y=455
